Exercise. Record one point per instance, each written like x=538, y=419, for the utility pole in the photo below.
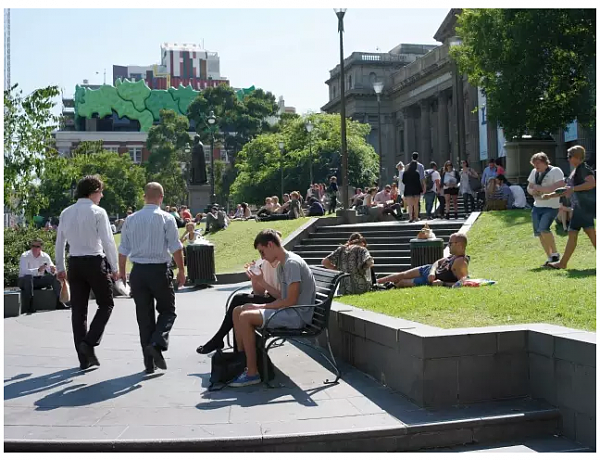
x=7, y=48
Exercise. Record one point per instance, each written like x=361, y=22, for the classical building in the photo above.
x=421, y=112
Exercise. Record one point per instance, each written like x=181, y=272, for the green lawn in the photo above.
x=502, y=248
x=235, y=245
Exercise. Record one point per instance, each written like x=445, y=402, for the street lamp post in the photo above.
x=458, y=103
x=309, y=126
x=212, y=121
x=378, y=87
x=281, y=146
x=340, y=12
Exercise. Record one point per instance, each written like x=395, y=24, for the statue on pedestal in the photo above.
x=198, y=163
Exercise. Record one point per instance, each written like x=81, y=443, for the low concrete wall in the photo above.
x=437, y=367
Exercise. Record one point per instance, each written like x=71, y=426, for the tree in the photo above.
x=123, y=182
x=259, y=161
x=237, y=121
x=536, y=66
x=28, y=126
x=169, y=145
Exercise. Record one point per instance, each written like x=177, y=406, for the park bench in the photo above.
x=327, y=282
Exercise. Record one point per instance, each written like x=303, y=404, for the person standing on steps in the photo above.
x=92, y=265
x=150, y=238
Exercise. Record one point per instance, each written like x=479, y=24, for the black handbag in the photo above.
x=226, y=366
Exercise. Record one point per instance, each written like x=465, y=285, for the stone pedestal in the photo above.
x=519, y=153
x=199, y=197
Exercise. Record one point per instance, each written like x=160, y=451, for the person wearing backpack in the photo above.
x=432, y=187
x=450, y=183
x=545, y=179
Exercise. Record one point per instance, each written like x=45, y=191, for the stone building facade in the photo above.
x=421, y=112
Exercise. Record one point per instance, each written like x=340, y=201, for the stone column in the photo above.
x=443, y=135
x=409, y=134
x=425, y=153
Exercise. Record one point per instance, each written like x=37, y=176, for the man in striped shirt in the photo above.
x=92, y=265
x=149, y=237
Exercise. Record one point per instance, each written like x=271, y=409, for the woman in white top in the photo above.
x=450, y=180
x=400, y=168
x=465, y=189
x=190, y=233
x=265, y=289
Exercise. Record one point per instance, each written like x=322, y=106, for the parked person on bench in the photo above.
x=297, y=288
x=503, y=191
x=352, y=258
x=265, y=289
x=36, y=271
x=444, y=272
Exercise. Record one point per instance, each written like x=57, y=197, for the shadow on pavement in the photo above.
x=84, y=395
x=41, y=383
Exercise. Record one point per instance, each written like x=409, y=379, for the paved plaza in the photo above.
x=47, y=397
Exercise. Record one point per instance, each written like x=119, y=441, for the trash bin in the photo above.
x=201, y=263
x=424, y=252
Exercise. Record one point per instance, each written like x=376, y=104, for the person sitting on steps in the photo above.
x=444, y=272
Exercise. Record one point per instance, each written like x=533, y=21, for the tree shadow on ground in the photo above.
x=576, y=273
x=513, y=217
x=85, y=395
x=36, y=384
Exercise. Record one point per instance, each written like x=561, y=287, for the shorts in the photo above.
x=289, y=319
x=451, y=191
x=542, y=219
x=421, y=280
x=580, y=220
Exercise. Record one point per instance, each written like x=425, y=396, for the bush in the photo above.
x=16, y=242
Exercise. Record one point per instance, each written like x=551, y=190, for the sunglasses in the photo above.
x=36, y=246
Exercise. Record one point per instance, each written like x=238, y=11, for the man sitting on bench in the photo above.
x=297, y=288
x=444, y=272
x=36, y=271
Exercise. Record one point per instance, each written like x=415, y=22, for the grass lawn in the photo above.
x=235, y=246
x=502, y=248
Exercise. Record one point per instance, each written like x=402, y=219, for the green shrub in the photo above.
x=16, y=242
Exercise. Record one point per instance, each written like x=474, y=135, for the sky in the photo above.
x=288, y=52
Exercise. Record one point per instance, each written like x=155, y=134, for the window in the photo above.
x=333, y=93
x=349, y=81
x=136, y=154
x=111, y=148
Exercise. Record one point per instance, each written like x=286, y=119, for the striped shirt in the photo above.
x=87, y=229
x=149, y=236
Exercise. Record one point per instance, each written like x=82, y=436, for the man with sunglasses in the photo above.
x=92, y=265
x=444, y=272
x=37, y=271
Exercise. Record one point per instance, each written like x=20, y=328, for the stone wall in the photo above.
x=437, y=367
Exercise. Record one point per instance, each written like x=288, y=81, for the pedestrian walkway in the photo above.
x=49, y=404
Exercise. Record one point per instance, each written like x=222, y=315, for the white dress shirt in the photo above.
x=87, y=229
x=150, y=236
x=29, y=264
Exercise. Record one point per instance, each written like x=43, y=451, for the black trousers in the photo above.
x=469, y=202
x=332, y=203
x=236, y=301
x=89, y=273
x=29, y=283
x=150, y=283
x=441, y=210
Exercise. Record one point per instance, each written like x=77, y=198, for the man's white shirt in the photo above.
x=87, y=229
x=29, y=264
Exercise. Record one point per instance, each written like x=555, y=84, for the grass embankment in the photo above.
x=235, y=245
x=502, y=248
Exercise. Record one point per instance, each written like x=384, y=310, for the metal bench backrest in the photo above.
x=326, y=282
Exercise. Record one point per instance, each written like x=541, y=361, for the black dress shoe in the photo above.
x=209, y=347
x=156, y=354
x=62, y=306
x=88, y=352
x=84, y=366
x=150, y=370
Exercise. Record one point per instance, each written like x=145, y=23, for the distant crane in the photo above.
x=7, y=48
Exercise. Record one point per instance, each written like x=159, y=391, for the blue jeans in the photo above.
x=429, y=200
x=542, y=219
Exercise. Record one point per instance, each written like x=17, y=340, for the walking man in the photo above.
x=150, y=238
x=92, y=265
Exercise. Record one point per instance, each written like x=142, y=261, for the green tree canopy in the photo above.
x=259, y=161
x=123, y=181
x=28, y=126
x=537, y=67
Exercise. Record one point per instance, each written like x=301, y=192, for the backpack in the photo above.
x=428, y=180
x=225, y=366
x=540, y=177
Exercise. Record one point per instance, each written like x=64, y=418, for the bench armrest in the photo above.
x=293, y=307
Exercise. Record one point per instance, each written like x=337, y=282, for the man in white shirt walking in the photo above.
x=149, y=238
x=36, y=271
x=92, y=265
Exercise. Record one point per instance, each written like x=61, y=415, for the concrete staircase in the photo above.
x=388, y=242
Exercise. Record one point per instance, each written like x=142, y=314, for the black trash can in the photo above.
x=201, y=263
x=424, y=252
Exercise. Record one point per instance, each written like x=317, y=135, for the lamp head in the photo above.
x=281, y=145
x=378, y=86
x=340, y=12
x=309, y=126
x=211, y=120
